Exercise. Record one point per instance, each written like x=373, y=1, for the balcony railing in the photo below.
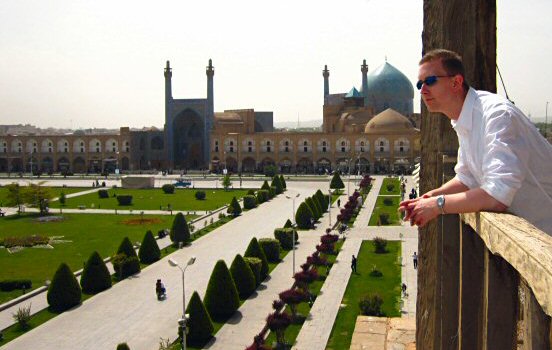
x=496, y=280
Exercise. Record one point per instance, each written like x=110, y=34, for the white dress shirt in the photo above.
x=504, y=154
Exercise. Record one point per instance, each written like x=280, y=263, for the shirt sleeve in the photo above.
x=463, y=173
x=505, y=156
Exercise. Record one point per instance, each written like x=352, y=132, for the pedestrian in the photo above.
x=338, y=202
x=503, y=160
x=415, y=260
x=403, y=287
x=354, y=264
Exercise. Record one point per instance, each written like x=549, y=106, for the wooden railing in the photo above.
x=502, y=283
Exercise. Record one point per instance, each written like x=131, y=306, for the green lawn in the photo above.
x=85, y=232
x=293, y=330
x=380, y=207
x=56, y=191
x=360, y=284
x=154, y=199
x=390, y=181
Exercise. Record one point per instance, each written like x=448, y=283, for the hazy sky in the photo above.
x=100, y=63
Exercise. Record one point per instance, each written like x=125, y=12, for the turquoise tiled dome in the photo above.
x=388, y=87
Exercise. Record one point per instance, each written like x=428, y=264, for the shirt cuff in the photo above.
x=500, y=191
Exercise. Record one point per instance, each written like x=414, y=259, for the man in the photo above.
x=415, y=260
x=354, y=264
x=503, y=161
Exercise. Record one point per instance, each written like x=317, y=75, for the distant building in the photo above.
x=371, y=130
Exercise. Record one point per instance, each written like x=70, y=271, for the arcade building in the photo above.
x=371, y=130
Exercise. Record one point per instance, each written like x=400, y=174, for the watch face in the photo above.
x=440, y=201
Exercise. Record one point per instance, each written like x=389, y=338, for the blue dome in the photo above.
x=388, y=87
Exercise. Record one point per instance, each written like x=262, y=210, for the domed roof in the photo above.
x=389, y=122
x=348, y=122
x=227, y=117
x=388, y=81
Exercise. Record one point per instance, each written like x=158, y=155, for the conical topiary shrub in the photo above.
x=180, y=231
x=126, y=248
x=221, y=297
x=288, y=224
x=319, y=196
x=265, y=186
x=315, y=207
x=277, y=184
x=123, y=346
x=243, y=277
x=303, y=216
x=64, y=291
x=200, y=325
x=336, y=183
x=255, y=264
x=310, y=204
x=234, y=208
x=149, y=250
x=95, y=275
x=283, y=181
x=254, y=250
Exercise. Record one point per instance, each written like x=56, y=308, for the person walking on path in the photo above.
x=415, y=260
x=354, y=264
x=404, y=290
x=338, y=202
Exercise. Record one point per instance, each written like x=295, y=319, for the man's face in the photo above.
x=437, y=96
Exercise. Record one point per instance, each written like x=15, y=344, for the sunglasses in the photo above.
x=430, y=80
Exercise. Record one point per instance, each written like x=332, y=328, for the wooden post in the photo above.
x=537, y=326
x=469, y=28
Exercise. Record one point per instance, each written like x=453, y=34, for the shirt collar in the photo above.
x=464, y=122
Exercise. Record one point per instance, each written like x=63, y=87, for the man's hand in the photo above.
x=420, y=210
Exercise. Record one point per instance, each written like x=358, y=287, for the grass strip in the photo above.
x=360, y=284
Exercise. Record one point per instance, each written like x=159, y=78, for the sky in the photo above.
x=84, y=64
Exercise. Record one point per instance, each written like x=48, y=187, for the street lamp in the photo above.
x=546, y=120
x=184, y=319
x=293, y=233
x=330, y=206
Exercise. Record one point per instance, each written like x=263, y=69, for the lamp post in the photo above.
x=330, y=206
x=546, y=120
x=293, y=233
x=184, y=319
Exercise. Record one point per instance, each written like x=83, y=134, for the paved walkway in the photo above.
x=129, y=311
x=239, y=331
x=317, y=328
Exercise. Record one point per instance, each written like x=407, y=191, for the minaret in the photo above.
x=168, y=112
x=210, y=115
x=364, y=70
x=326, y=75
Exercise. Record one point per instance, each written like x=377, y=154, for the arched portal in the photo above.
x=188, y=140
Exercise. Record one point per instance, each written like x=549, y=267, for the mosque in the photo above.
x=371, y=130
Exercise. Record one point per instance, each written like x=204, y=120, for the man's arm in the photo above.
x=452, y=186
x=425, y=210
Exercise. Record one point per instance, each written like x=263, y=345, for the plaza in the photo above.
x=129, y=312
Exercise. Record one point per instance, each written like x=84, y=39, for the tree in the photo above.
x=123, y=346
x=283, y=181
x=254, y=250
x=180, y=232
x=95, y=276
x=221, y=297
x=234, y=208
x=288, y=224
x=319, y=196
x=38, y=195
x=277, y=184
x=14, y=197
x=336, y=183
x=126, y=248
x=303, y=216
x=243, y=277
x=226, y=183
x=64, y=291
x=62, y=198
x=265, y=186
x=149, y=250
x=200, y=325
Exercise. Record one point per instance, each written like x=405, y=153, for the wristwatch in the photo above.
x=441, y=203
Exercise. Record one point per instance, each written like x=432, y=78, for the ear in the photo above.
x=458, y=82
